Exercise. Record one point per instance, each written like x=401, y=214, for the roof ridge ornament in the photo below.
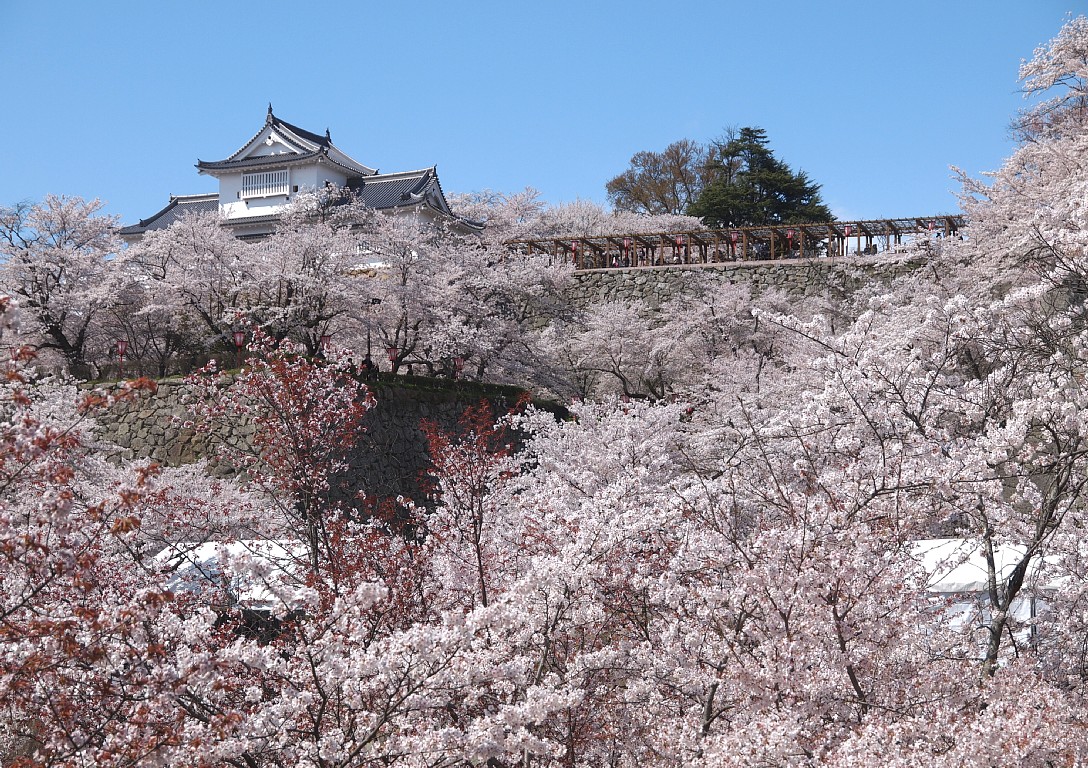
x=269, y=118
x=327, y=136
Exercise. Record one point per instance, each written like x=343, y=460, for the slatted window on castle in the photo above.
x=265, y=184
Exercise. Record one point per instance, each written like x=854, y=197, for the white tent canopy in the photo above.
x=261, y=574
x=958, y=566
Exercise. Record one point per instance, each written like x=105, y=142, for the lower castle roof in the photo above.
x=179, y=206
x=379, y=192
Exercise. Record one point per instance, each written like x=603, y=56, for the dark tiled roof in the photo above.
x=392, y=190
x=274, y=161
x=396, y=190
x=444, y=206
x=323, y=141
x=179, y=206
x=381, y=192
x=263, y=160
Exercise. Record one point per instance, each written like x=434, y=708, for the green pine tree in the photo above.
x=753, y=188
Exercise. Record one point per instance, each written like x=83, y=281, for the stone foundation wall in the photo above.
x=796, y=277
x=389, y=460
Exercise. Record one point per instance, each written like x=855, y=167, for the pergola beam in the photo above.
x=808, y=233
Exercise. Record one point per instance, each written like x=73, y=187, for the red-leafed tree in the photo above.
x=86, y=625
x=304, y=417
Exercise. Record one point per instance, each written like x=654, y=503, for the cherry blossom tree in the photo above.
x=190, y=283
x=56, y=261
x=583, y=217
x=308, y=285
x=196, y=283
x=443, y=298
x=721, y=570
x=504, y=216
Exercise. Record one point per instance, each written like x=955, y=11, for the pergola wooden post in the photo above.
x=666, y=248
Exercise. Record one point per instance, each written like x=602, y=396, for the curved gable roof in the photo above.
x=304, y=145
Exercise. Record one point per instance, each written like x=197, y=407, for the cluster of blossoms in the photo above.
x=728, y=577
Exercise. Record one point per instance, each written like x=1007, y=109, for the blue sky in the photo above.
x=874, y=99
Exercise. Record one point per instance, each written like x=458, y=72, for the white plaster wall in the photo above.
x=232, y=206
x=314, y=176
x=230, y=188
x=306, y=178
x=333, y=175
x=261, y=149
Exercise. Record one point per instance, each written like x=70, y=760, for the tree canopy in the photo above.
x=662, y=182
x=752, y=187
x=734, y=181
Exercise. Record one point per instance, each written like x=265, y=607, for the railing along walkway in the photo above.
x=766, y=243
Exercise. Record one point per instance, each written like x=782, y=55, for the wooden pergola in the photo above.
x=765, y=243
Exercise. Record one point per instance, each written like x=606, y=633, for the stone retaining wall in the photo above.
x=389, y=460
x=797, y=277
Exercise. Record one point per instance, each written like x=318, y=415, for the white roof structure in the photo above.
x=958, y=566
x=959, y=576
x=259, y=574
